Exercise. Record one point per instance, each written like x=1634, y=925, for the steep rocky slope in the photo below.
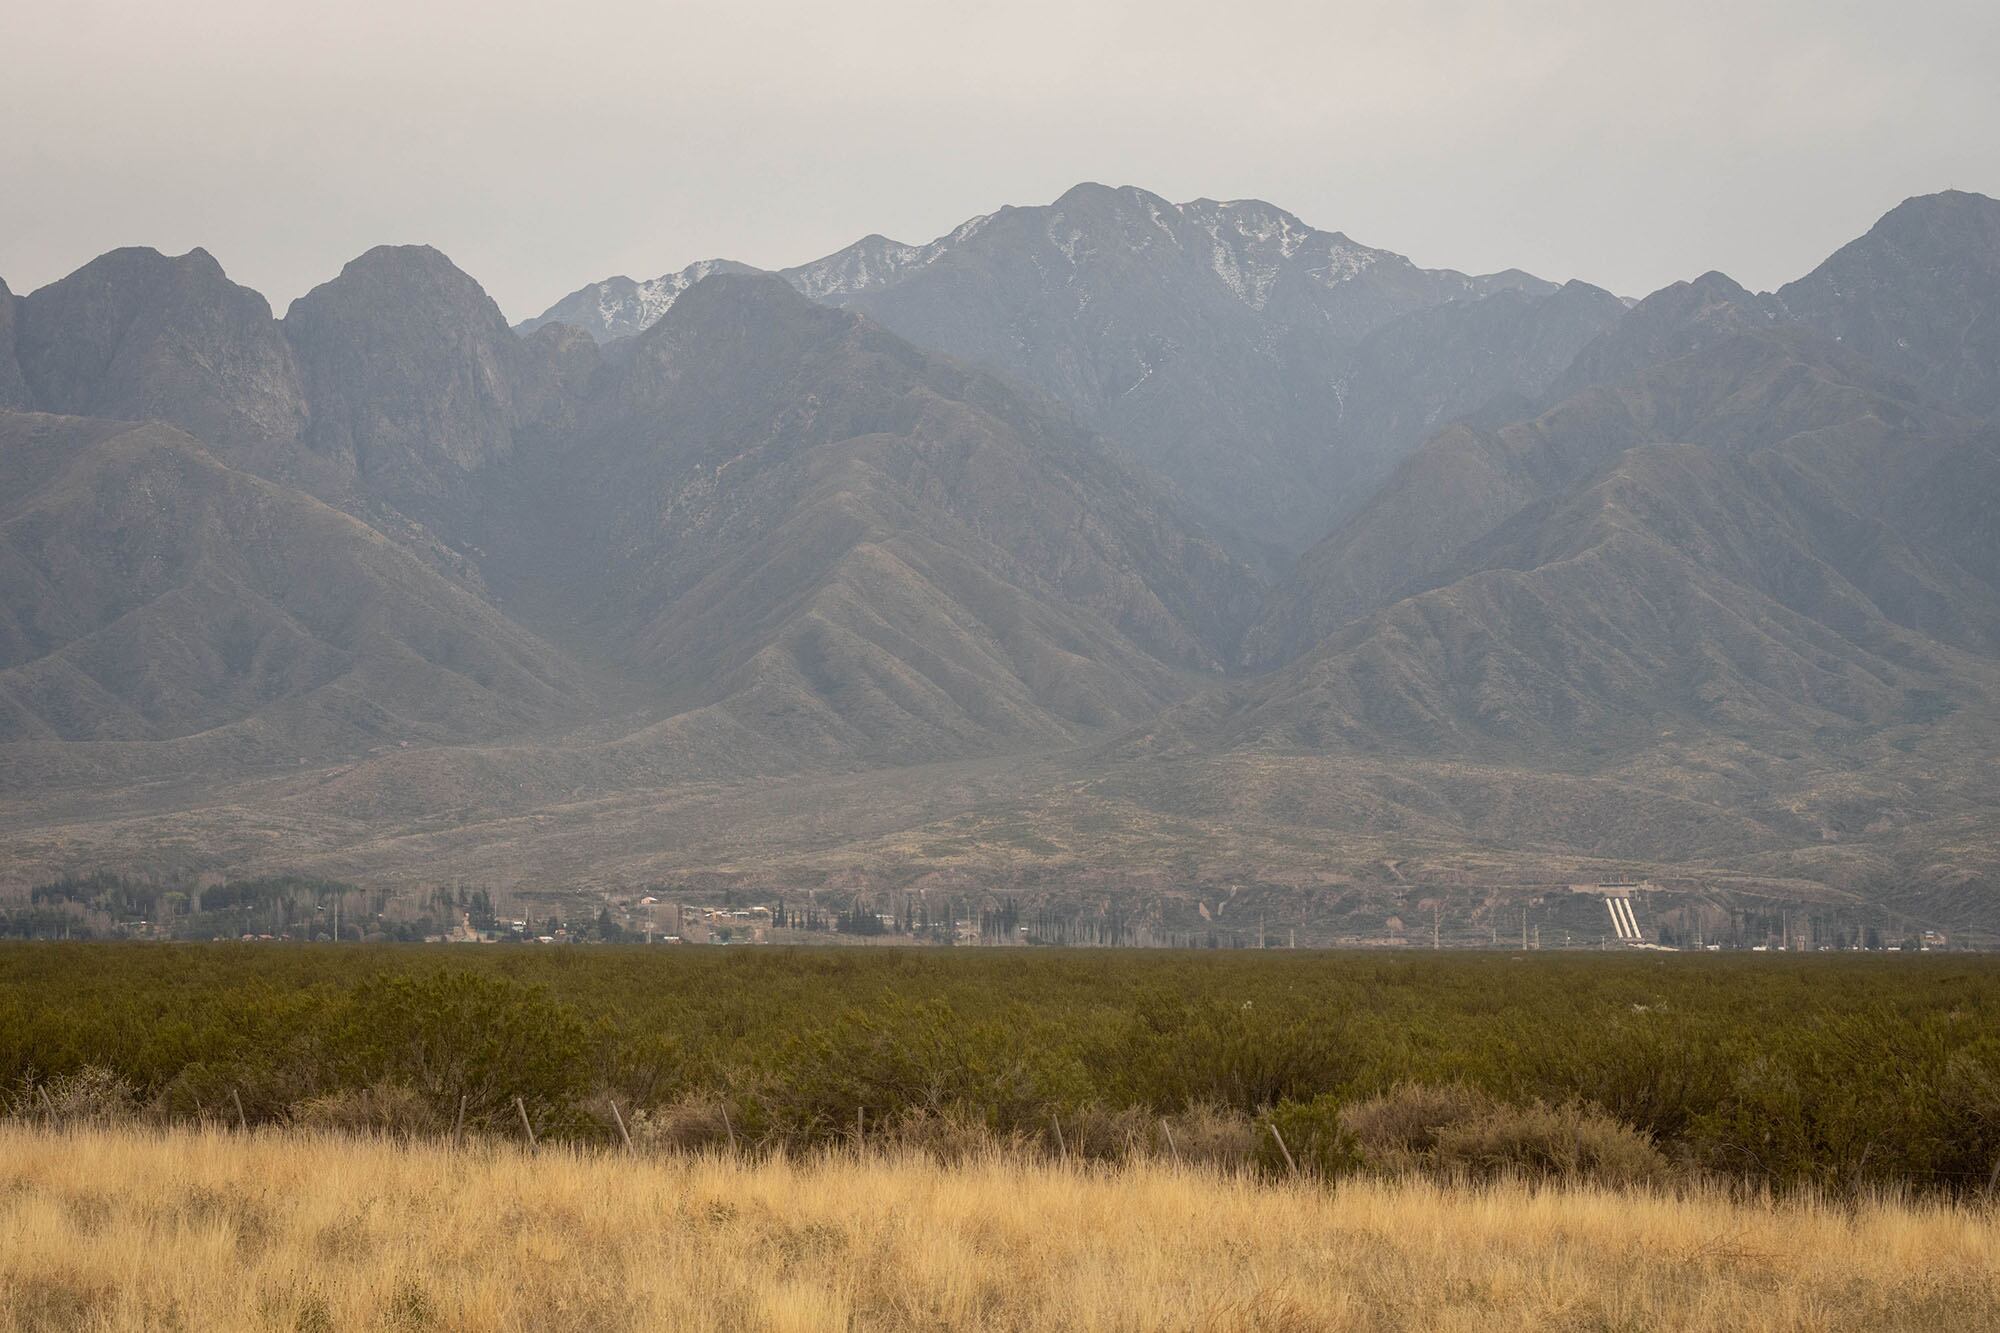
x=156, y=603
x=135, y=334
x=861, y=545
x=1919, y=295
x=1220, y=343
x=770, y=593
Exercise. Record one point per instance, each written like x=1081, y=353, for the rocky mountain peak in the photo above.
x=1673, y=321
x=1958, y=226
x=408, y=364
x=418, y=279
x=752, y=296
x=732, y=341
x=13, y=388
x=620, y=307
x=1918, y=294
x=1707, y=585
x=139, y=334
x=1094, y=194
x=871, y=262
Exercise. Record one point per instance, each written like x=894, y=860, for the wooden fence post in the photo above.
x=1172, y=1148
x=1061, y=1146
x=522, y=1107
x=242, y=1121
x=48, y=1104
x=622, y=1133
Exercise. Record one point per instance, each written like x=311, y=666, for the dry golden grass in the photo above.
x=136, y=1229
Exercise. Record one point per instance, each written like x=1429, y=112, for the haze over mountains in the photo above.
x=1108, y=545
x=1171, y=327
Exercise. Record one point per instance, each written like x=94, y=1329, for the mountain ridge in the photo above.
x=775, y=592
x=1218, y=342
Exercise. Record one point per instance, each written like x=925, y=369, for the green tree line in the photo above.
x=1840, y=1073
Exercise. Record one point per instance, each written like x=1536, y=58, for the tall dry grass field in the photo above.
x=135, y=1229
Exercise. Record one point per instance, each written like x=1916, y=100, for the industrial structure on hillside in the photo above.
x=1617, y=894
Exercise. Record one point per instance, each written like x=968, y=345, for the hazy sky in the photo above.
x=543, y=145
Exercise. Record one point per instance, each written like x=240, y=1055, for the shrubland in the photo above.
x=1836, y=1075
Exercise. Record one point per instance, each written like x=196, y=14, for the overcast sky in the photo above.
x=543, y=145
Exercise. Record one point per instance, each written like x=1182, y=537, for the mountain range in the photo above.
x=1172, y=328
x=1113, y=548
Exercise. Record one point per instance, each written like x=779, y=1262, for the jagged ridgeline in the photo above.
x=1114, y=549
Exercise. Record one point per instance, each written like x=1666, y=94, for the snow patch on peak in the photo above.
x=1250, y=282
x=1243, y=260
x=964, y=231
x=873, y=262
x=619, y=307
x=625, y=307
x=1261, y=224
x=1067, y=237
x=1251, y=242
x=652, y=299
x=1341, y=261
